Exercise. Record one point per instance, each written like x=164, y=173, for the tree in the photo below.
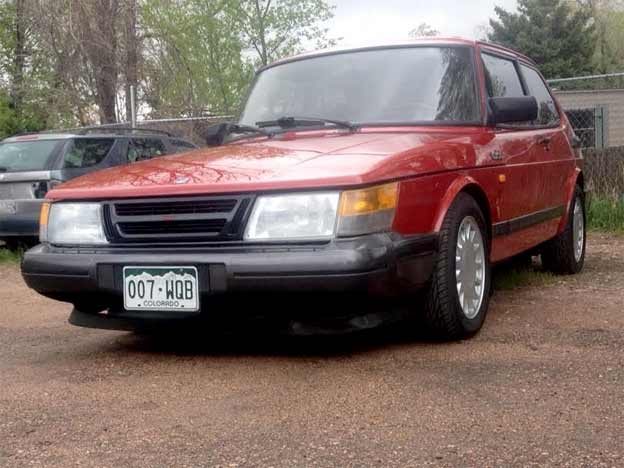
x=131, y=51
x=18, y=70
x=560, y=39
x=96, y=31
x=194, y=63
x=277, y=28
x=609, y=26
x=424, y=30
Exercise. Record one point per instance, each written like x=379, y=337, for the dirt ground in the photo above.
x=541, y=385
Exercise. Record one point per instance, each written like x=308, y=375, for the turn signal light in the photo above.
x=369, y=200
x=44, y=214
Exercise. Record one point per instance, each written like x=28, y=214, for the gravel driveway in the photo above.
x=541, y=385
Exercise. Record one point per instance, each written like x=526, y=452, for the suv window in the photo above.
x=26, y=155
x=141, y=149
x=501, y=77
x=86, y=152
x=181, y=146
x=547, y=114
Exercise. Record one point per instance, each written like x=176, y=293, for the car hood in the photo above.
x=328, y=159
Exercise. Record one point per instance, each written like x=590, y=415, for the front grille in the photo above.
x=207, y=227
x=175, y=207
x=197, y=219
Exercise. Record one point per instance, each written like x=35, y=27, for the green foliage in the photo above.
x=609, y=51
x=606, y=214
x=199, y=55
x=10, y=256
x=560, y=39
x=277, y=28
x=194, y=62
x=508, y=278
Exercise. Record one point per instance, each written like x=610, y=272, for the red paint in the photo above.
x=433, y=164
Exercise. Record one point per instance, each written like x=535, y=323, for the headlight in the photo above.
x=323, y=215
x=72, y=224
x=298, y=216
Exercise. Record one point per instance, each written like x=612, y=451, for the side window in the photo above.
x=501, y=77
x=547, y=114
x=141, y=149
x=181, y=146
x=87, y=152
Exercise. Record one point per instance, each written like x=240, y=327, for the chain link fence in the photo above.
x=595, y=107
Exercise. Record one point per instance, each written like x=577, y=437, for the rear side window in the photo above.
x=26, y=155
x=181, y=146
x=501, y=77
x=87, y=152
x=547, y=114
x=141, y=149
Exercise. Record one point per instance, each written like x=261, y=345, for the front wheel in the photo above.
x=458, y=296
x=565, y=254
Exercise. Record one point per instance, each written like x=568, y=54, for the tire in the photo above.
x=565, y=254
x=444, y=314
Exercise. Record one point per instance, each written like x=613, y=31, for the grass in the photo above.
x=10, y=256
x=506, y=279
x=521, y=272
x=605, y=214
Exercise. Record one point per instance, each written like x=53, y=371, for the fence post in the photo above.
x=133, y=106
x=599, y=127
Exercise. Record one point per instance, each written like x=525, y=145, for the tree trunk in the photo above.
x=132, y=53
x=19, y=60
x=97, y=23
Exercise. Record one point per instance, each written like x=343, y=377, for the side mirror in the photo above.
x=215, y=134
x=512, y=109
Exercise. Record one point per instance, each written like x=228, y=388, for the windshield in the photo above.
x=26, y=155
x=403, y=85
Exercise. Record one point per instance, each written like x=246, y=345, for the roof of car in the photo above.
x=438, y=41
x=88, y=132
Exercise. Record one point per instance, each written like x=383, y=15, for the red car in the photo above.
x=353, y=180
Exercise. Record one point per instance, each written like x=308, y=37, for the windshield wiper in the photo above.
x=216, y=134
x=293, y=122
x=4, y=169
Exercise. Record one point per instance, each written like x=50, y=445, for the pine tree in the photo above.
x=560, y=40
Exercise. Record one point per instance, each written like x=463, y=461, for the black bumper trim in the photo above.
x=380, y=265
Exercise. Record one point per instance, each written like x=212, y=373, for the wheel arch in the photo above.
x=471, y=187
x=577, y=179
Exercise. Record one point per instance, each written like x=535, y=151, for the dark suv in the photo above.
x=30, y=165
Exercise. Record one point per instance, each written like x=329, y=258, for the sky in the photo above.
x=362, y=21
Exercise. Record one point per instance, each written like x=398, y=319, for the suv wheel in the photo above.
x=565, y=254
x=459, y=293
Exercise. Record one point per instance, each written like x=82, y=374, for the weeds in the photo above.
x=514, y=278
x=10, y=256
x=605, y=214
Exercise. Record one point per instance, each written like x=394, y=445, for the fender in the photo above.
x=456, y=186
x=569, y=190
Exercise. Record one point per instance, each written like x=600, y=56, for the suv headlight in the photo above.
x=72, y=224
x=323, y=215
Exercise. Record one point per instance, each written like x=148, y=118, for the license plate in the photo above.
x=161, y=288
x=8, y=207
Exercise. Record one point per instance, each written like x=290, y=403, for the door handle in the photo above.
x=544, y=141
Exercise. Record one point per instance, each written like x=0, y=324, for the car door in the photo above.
x=555, y=161
x=513, y=145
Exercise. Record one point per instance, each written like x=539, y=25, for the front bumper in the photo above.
x=378, y=266
x=22, y=220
